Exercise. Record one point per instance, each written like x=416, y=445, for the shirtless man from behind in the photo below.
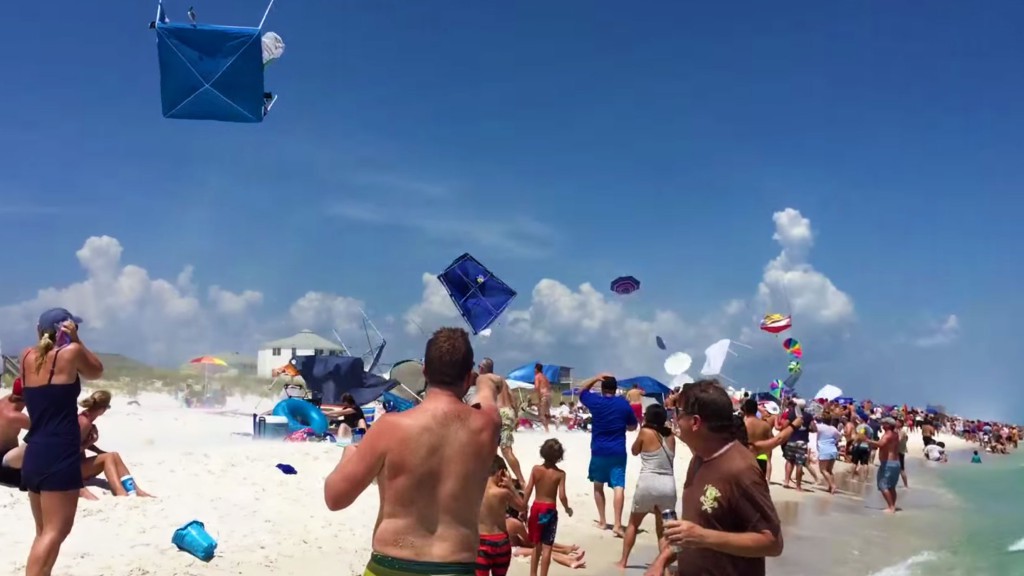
x=429, y=462
x=635, y=397
x=495, y=553
x=13, y=421
x=543, y=387
x=757, y=430
x=508, y=410
x=888, y=462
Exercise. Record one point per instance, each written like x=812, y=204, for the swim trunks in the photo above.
x=610, y=470
x=888, y=475
x=638, y=411
x=543, y=523
x=795, y=452
x=382, y=565
x=860, y=454
x=508, y=426
x=494, y=555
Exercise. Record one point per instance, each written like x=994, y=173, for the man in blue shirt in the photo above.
x=611, y=417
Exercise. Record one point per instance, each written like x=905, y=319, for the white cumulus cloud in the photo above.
x=124, y=309
x=943, y=333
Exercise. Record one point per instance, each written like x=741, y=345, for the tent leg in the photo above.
x=264, y=19
x=269, y=100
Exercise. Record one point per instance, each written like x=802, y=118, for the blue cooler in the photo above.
x=269, y=427
x=369, y=413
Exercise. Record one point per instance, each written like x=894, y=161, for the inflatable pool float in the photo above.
x=301, y=414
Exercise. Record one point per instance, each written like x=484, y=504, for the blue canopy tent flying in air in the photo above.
x=651, y=387
x=477, y=293
x=211, y=72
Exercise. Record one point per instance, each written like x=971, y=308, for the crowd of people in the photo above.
x=454, y=499
x=729, y=524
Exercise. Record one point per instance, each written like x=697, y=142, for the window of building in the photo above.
x=318, y=352
x=276, y=352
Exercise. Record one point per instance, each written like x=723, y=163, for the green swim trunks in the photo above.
x=381, y=565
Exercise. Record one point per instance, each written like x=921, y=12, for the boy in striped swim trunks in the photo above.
x=495, y=552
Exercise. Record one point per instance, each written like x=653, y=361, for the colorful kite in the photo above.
x=776, y=323
x=775, y=388
x=624, y=285
x=792, y=345
x=794, y=366
x=210, y=72
x=478, y=295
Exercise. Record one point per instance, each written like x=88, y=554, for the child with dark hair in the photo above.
x=495, y=552
x=549, y=482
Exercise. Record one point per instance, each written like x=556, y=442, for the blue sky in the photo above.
x=573, y=141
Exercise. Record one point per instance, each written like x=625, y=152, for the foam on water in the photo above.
x=906, y=567
x=1018, y=546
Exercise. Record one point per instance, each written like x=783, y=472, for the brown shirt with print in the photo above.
x=727, y=493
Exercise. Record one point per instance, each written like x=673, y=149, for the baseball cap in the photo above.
x=888, y=421
x=55, y=317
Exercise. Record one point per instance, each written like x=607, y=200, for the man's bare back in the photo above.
x=757, y=430
x=635, y=396
x=429, y=462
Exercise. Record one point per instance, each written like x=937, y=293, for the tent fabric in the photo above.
x=332, y=376
x=525, y=372
x=477, y=293
x=210, y=72
x=395, y=403
x=517, y=384
x=647, y=384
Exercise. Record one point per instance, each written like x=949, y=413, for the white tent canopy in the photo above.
x=516, y=384
x=828, y=393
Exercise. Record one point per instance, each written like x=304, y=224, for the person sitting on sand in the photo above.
x=495, y=553
x=13, y=421
x=429, y=460
x=548, y=480
x=110, y=464
x=936, y=452
x=349, y=416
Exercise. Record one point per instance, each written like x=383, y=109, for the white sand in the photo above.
x=202, y=466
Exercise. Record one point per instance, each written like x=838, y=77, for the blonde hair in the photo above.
x=98, y=400
x=46, y=343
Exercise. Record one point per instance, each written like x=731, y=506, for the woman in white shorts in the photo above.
x=656, y=487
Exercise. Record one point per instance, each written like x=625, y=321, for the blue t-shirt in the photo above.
x=611, y=415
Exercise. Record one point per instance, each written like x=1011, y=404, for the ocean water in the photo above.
x=982, y=532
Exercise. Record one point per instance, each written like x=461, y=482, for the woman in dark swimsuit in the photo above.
x=51, y=470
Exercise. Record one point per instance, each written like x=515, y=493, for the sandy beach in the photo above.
x=204, y=465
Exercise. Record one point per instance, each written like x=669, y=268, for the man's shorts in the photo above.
x=610, y=470
x=795, y=452
x=860, y=455
x=888, y=475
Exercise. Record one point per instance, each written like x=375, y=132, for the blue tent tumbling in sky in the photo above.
x=210, y=72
